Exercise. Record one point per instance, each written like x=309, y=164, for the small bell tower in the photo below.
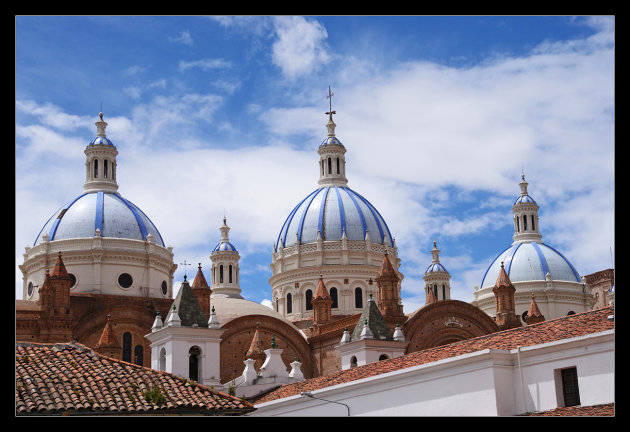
x=100, y=161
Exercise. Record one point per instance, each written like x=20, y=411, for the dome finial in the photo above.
x=331, y=124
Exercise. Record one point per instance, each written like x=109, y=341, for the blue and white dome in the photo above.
x=101, y=140
x=331, y=210
x=435, y=267
x=112, y=214
x=524, y=199
x=224, y=246
x=530, y=261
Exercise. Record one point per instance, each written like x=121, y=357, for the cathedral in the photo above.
x=99, y=273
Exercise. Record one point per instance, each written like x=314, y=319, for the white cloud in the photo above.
x=300, y=45
x=205, y=64
x=184, y=38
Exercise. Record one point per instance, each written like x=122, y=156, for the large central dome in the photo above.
x=333, y=235
x=110, y=213
x=329, y=212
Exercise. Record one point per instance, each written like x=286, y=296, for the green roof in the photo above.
x=375, y=321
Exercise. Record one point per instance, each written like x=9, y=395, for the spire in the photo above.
x=59, y=271
x=322, y=304
x=332, y=162
x=108, y=338
x=202, y=291
x=100, y=163
x=224, y=231
x=534, y=315
x=435, y=253
x=504, y=298
x=525, y=212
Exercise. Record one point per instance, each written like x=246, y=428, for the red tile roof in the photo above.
x=73, y=379
x=592, y=411
x=552, y=330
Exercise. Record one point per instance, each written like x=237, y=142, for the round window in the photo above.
x=164, y=288
x=125, y=280
x=29, y=290
x=73, y=280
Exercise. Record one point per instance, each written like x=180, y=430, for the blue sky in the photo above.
x=223, y=115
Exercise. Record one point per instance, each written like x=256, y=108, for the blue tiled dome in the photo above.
x=436, y=267
x=528, y=261
x=101, y=140
x=524, y=199
x=331, y=140
x=330, y=210
x=112, y=214
x=224, y=246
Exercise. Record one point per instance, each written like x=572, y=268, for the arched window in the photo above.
x=105, y=168
x=321, y=165
x=353, y=362
x=533, y=227
x=193, y=363
x=221, y=273
x=337, y=165
x=289, y=303
x=309, y=300
x=277, y=305
x=113, y=171
x=162, y=364
x=358, y=298
x=435, y=291
x=524, y=223
x=518, y=225
x=138, y=355
x=126, y=351
x=382, y=357
x=95, y=168
x=329, y=166
x=230, y=273
x=443, y=292
x=333, y=295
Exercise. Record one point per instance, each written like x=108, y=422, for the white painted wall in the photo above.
x=484, y=383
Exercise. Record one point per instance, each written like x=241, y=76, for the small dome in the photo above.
x=224, y=246
x=101, y=140
x=331, y=140
x=331, y=210
x=436, y=267
x=112, y=214
x=528, y=261
x=524, y=199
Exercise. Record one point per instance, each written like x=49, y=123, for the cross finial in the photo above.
x=185, y=264
x=330, y=110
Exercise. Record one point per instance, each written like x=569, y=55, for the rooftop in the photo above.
x=72, y=379
x=548, y=331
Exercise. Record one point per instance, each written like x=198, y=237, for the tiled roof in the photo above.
x=592, y=411
x=72, y=379
x=552, y=330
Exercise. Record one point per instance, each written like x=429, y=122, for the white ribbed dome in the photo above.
x=531, y=261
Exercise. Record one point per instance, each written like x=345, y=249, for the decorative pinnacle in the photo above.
x=331, y=124
x=100, y=126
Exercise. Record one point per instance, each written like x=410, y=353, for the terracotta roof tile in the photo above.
x=321, y=291
x=593, y=411
x=557, y=329
x=71, y=378
x=200, y=280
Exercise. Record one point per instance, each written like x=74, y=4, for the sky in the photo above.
x=222, y=115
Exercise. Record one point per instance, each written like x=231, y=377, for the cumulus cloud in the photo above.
x=300, y=45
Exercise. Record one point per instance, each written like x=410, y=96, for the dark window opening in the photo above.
x=289, y=303
x=193, y=363
x=126, y=349
x=125, y=280
x=105, y=169
x=333, y=295
x=309, y=300
x=230, y=273
x=358, y=297
x=95, y=168
x=138, y=357
x=570, y=390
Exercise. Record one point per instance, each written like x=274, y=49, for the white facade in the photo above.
x=172, y=346
x=490, y=382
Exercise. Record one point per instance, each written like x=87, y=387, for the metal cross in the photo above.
x=185, y=264
x=330, y=95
